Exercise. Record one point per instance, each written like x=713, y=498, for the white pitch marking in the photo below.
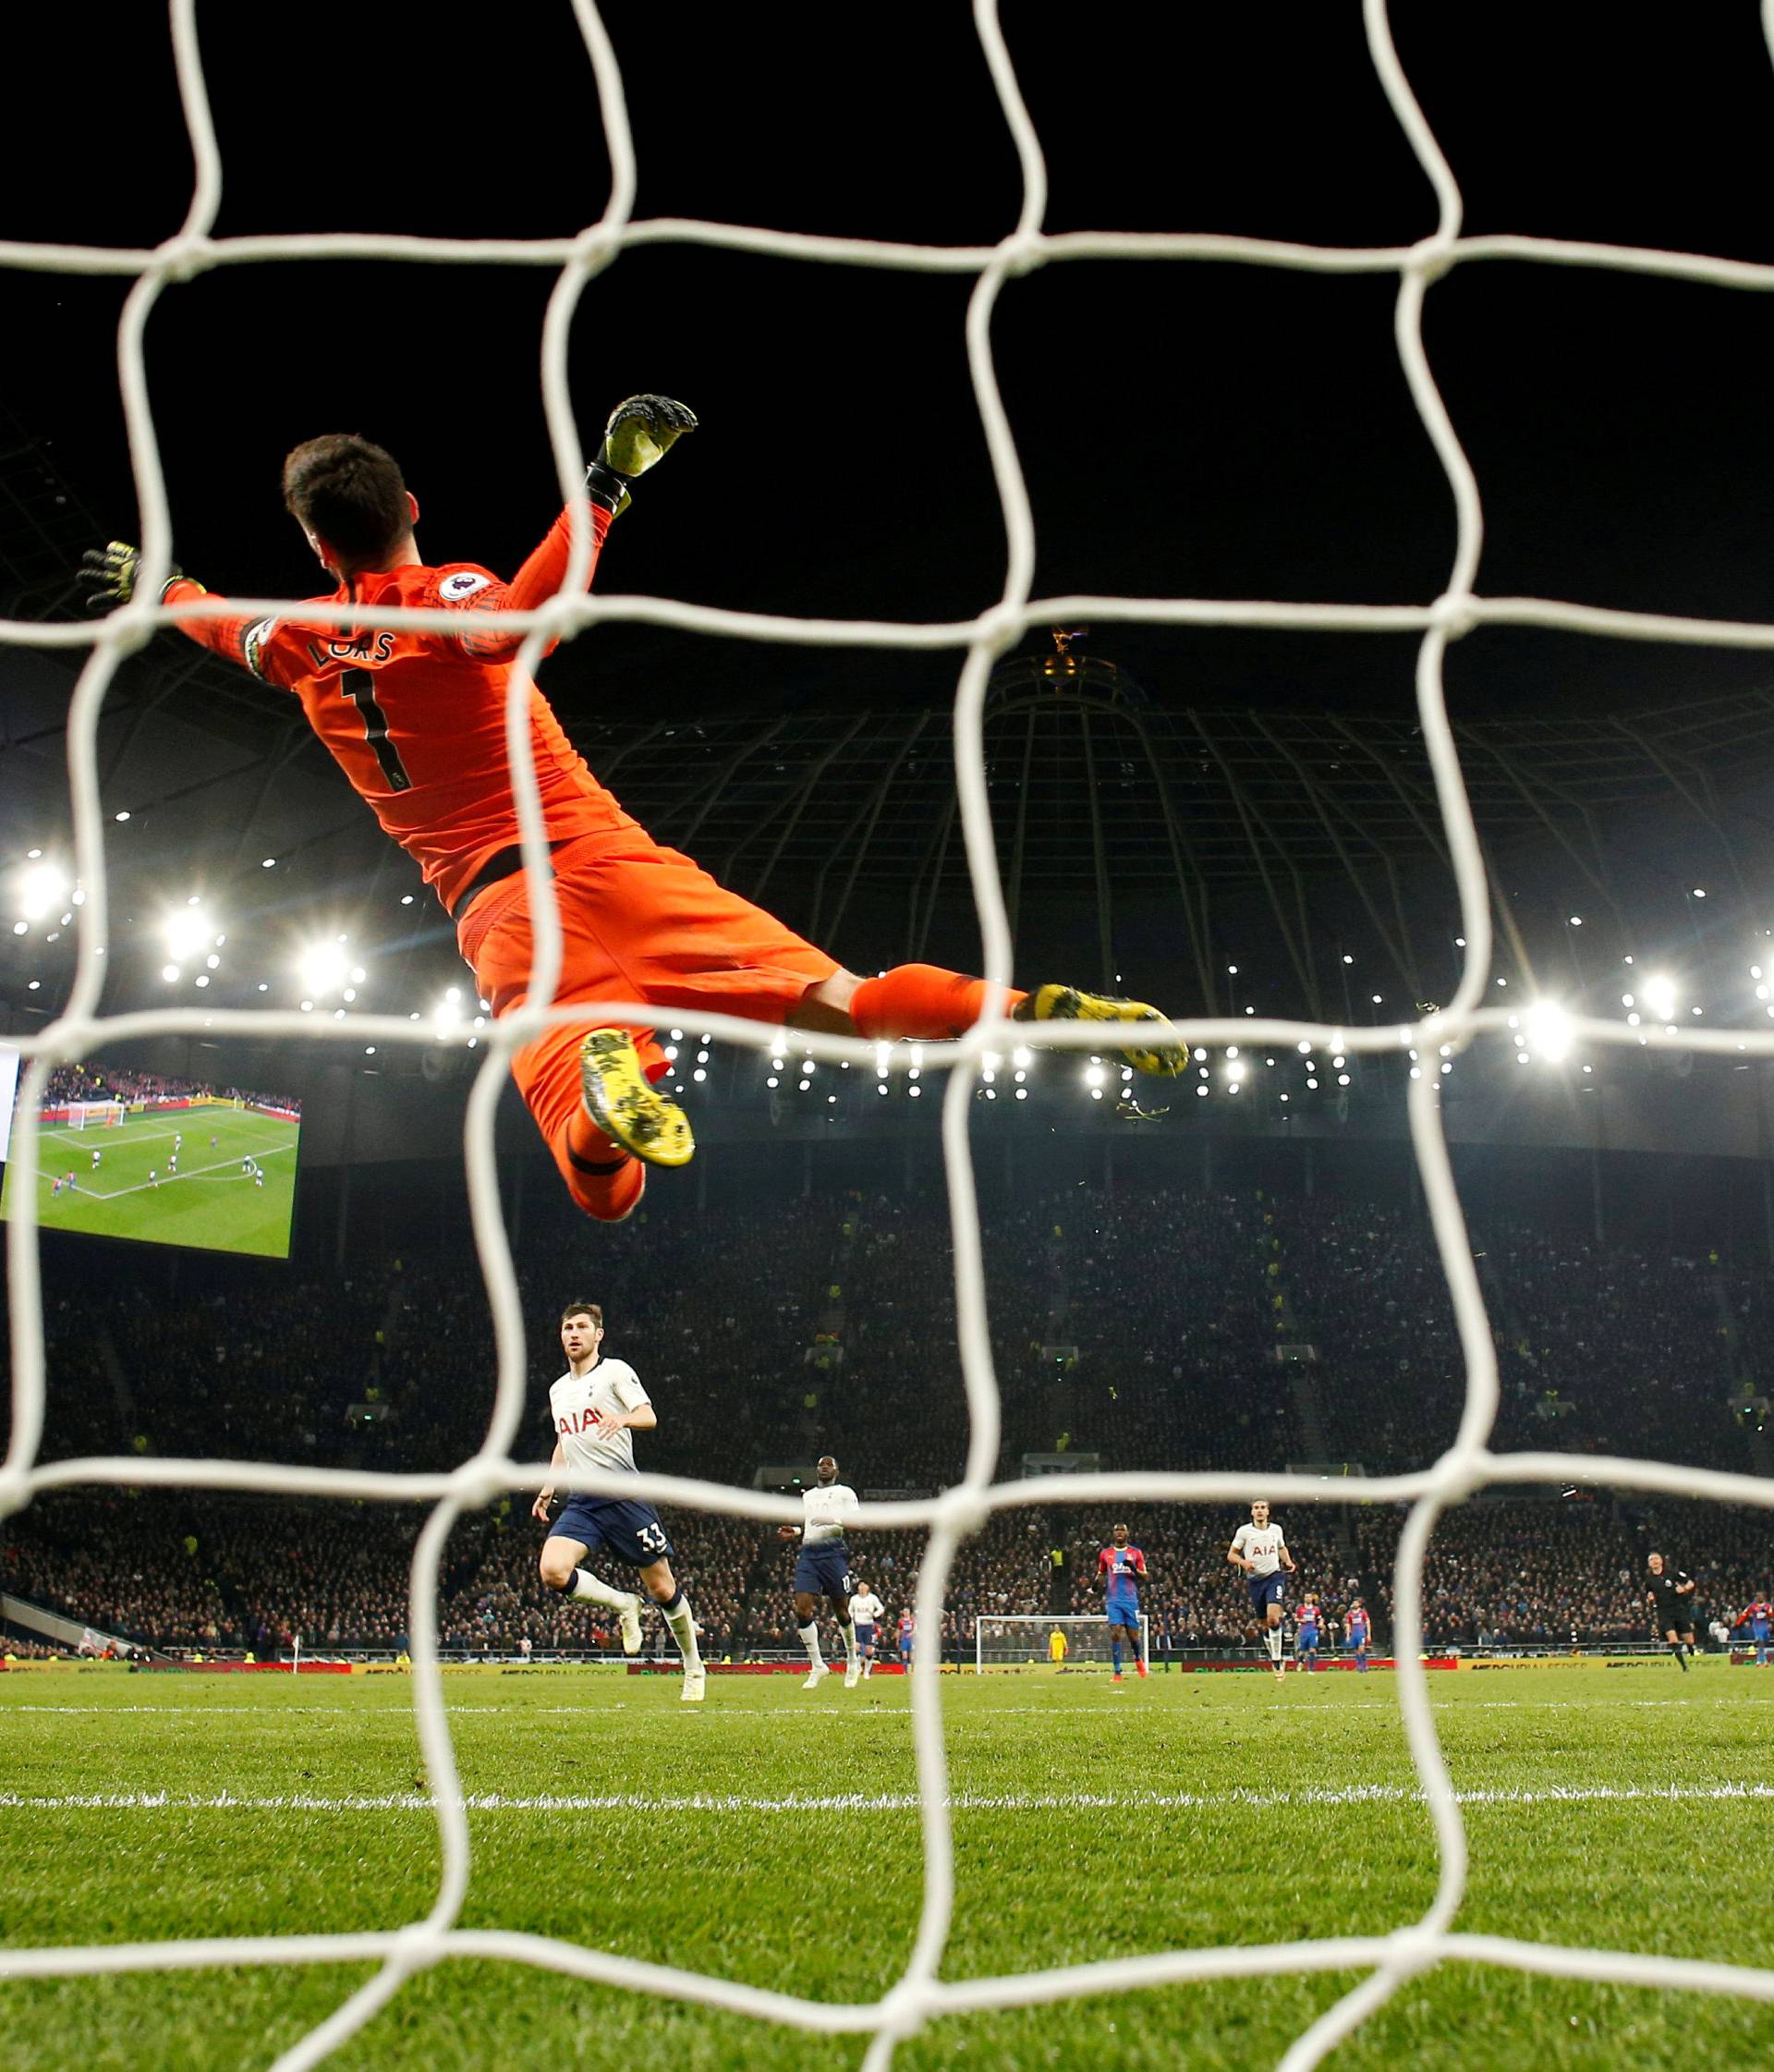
x=860, y=1802
x=828, y=1717
x=172, y=1179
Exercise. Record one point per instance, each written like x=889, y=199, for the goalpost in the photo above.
x=921, y=1994
x=106, y=1115
x=1019, y=1640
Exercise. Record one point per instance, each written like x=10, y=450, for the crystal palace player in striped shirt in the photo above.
x=1121, y=1565
x=416, y=722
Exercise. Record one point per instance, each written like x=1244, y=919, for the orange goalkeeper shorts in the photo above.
x=637, y=922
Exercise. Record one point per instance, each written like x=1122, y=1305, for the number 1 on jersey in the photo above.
x=359, y=687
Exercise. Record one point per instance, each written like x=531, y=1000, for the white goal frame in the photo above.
x=97, y=1115
x=1047, y=1625
x=1416, y=1944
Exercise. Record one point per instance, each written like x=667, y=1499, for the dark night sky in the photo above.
x=1186, y=429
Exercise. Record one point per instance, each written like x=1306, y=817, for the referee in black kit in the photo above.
x=1671, y=1592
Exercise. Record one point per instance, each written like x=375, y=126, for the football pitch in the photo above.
x=210, y=1202
x=771, y=1835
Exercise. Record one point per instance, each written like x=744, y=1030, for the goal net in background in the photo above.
x=1021, y=1640
x=921, y=1994
x=90, y=1114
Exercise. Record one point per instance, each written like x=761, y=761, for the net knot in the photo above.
x=1432, y=257
x=182, y=257
x=1458, y=1474
x=476, y=1484
x=417, y=1946
x=595, y=247
x=964, y=1510
x=999, y=627
x=1412, y=1949
x=1021, y=252
x=559, y=617
x=1454, y=614
x=903, y=2012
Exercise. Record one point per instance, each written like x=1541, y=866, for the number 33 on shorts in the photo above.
x=849, y=1584
x=652, y=1539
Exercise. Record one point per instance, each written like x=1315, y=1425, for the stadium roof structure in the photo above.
x=1300, y=832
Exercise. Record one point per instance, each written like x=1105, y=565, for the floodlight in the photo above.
x=1660, y=996
x=41, y=887
x=322, y=968
x=185, y=931
x=1548, y=1031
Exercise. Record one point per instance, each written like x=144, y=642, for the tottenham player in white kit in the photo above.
x=1260, y=1550
x=595, y=1406
x=867, y=1611
x=823, y=1564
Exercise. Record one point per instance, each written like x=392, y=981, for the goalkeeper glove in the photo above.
x=109, y=576
x=640, y=432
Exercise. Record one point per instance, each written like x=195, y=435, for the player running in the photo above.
x=1360, y=1632
x=1307, y=1623
x=823, y=1564
x=1260, y=1550
x=416, y=722
x=1120, y=1564
x=867, y=1611
x=595, y=1406
x=1757, y=1617
x=1672, y=1592
x=907, y=1636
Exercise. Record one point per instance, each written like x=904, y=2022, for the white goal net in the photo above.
x=1022, y=1640
x=921, y=1994
x=93, y=1115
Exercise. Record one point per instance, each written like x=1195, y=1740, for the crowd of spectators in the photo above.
x=1600, y=1349
x=84, y=1080
x=1143, y=1329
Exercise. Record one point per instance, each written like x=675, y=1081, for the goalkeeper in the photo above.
x=416, y=722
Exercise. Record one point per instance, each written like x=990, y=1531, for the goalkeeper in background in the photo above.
x=416, y=722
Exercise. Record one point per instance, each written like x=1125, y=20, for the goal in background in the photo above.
x=1018, y=1641
x=93, y=1115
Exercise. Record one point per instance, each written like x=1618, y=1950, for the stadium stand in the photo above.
x=826, y=1324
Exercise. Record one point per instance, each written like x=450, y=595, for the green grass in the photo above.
x=1067, y=1853
x=210, y=1203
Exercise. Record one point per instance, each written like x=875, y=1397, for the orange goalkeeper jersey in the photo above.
x=417, y=720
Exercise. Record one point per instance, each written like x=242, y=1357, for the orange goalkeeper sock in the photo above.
x=921, y=1000
x=603, y=1178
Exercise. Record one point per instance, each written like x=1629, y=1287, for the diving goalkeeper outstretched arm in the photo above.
x=417, y=720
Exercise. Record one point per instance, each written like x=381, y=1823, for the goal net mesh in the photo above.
x=921, y=1994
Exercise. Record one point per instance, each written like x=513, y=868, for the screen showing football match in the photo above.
x=164, y=1161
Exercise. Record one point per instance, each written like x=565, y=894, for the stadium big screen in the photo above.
x=163, y=1160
